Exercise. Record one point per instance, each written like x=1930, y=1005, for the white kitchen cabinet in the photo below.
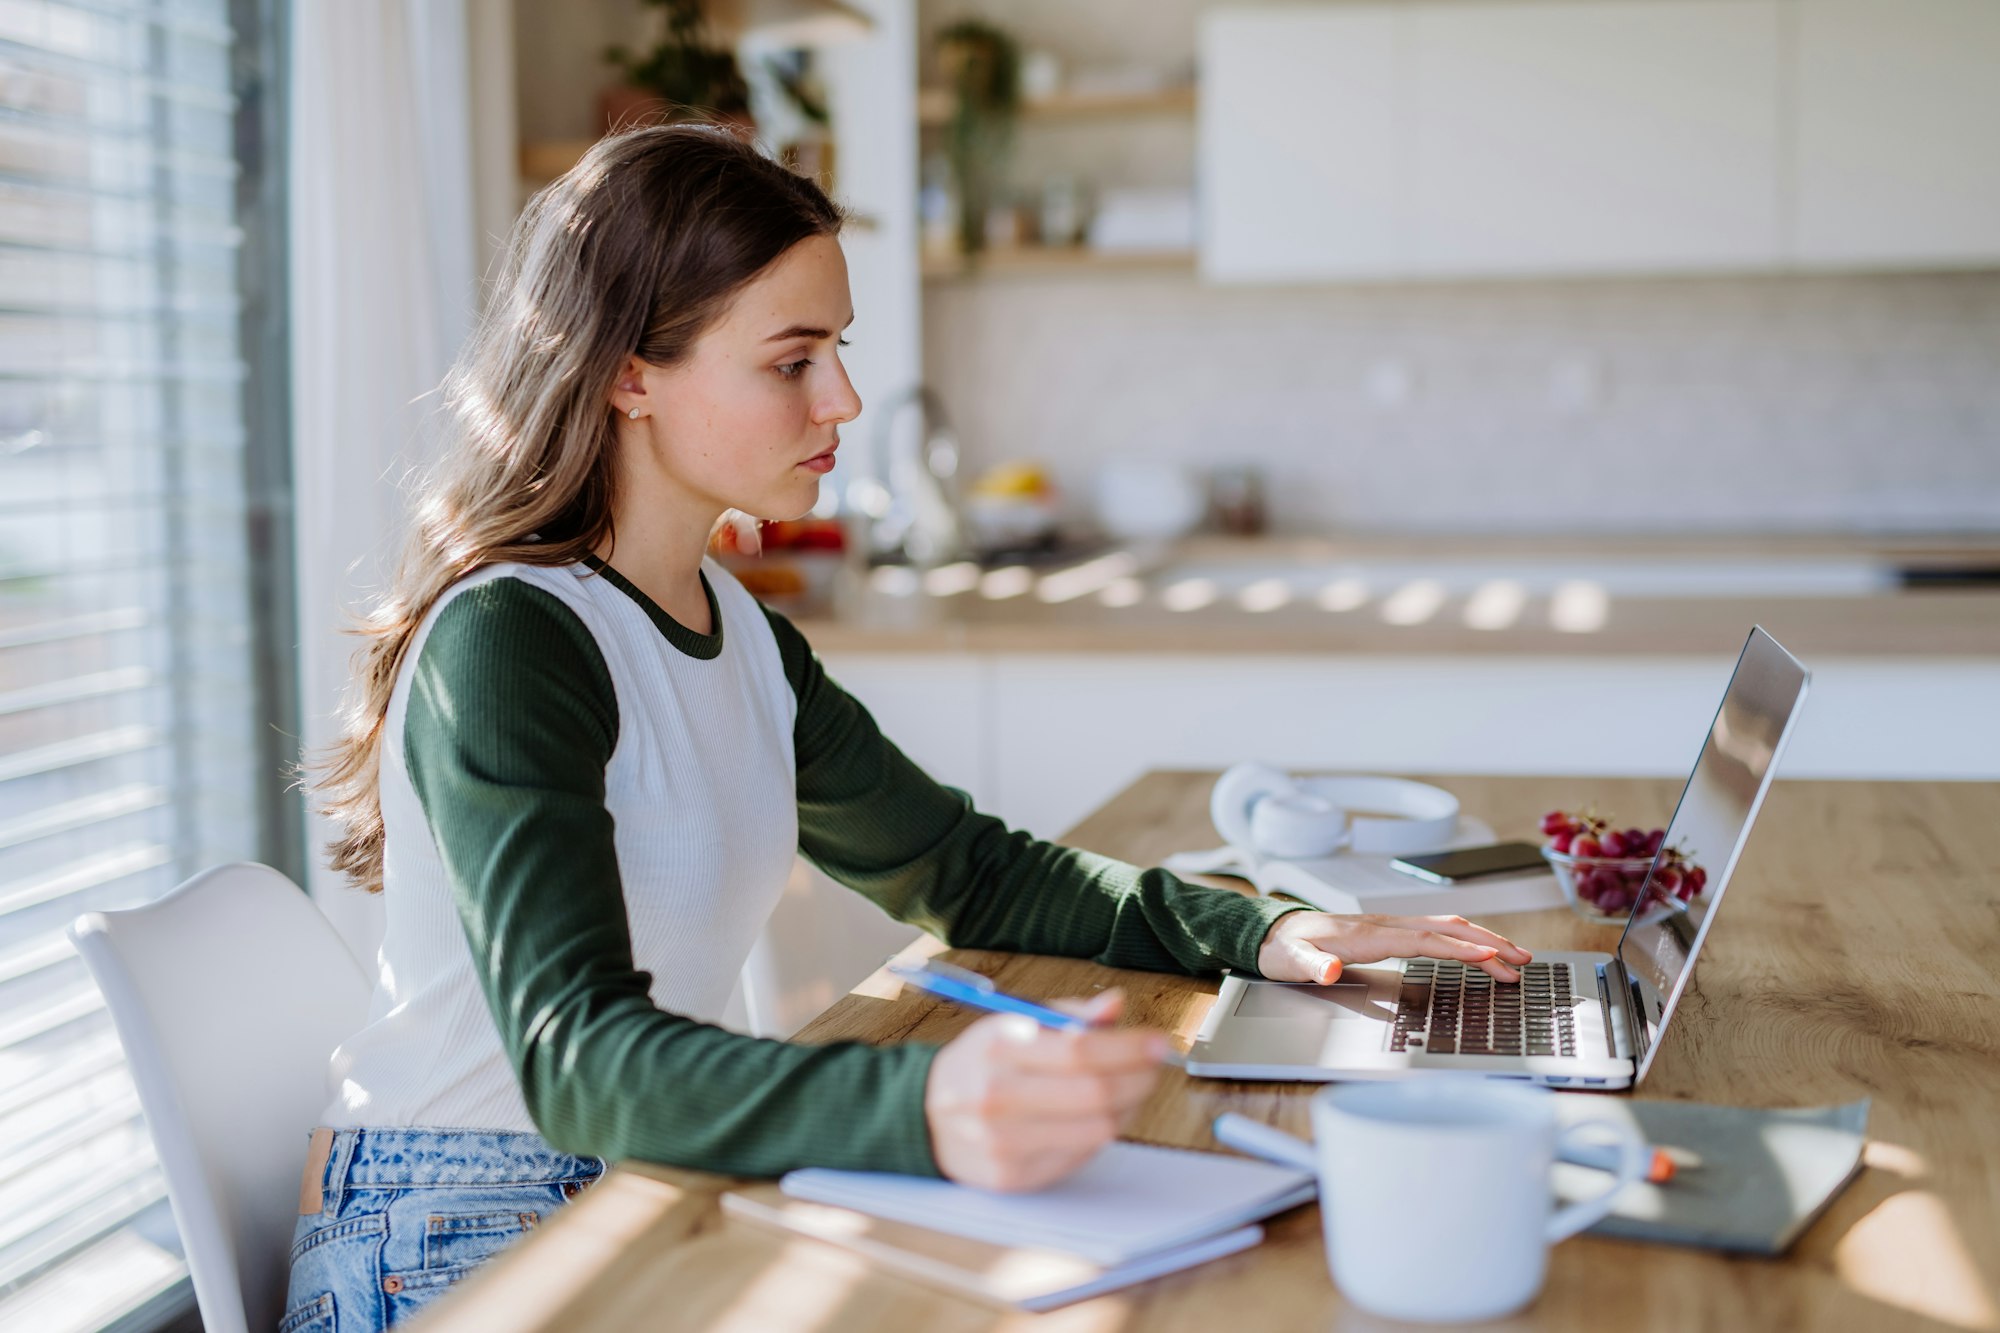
x=1073, y=729
x=1621, y=136
x=1491, y=139
x=1070, y=730
x=932, y=707
x=1298, y=144
x=1542, y=137
x=1897, y=109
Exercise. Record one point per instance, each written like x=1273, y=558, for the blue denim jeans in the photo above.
x=405, y=1213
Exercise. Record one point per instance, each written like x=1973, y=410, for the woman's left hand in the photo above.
x=1313, y=946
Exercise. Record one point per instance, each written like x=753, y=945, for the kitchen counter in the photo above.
x=1394, y=596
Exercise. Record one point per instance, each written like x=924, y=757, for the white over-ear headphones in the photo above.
x=1262, y=810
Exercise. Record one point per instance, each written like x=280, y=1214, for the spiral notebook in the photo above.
x=1136, y=1212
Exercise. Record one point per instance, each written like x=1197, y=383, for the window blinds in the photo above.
x=127, y=751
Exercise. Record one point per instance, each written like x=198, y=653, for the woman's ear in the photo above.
x=628, y=391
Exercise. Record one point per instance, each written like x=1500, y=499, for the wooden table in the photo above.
x=1859, y=956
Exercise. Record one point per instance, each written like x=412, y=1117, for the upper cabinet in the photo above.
x=1298, y=144
x=1898, y=132
x=1614, y=136
x=1566, y=137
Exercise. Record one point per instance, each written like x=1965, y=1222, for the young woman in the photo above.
x=580, y=761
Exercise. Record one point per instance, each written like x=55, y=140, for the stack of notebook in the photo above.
x=1135, y=1212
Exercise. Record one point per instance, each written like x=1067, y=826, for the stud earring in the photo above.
x=633, y=414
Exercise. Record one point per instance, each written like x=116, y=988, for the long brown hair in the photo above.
x=634, y=252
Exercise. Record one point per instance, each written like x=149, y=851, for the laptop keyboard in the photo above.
x=1448, y=1008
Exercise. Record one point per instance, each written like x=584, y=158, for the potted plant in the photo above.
x=684, y=77
x=982, y=64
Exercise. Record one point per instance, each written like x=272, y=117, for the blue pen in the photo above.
x=974, y=991
x=977, y=992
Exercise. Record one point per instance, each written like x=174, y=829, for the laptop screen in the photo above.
x=1709, y=828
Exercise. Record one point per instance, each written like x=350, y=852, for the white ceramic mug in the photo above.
x=1435, y=1196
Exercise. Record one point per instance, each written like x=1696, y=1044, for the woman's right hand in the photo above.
x=1013, y=1105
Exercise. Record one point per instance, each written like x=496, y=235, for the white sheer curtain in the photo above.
x=384, y=288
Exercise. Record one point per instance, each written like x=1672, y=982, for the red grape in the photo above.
x=1697, y=877
x=1555, y=821
x=1614, y=902
x=1586, y=846
x=1614, y=844
x=1563, y=841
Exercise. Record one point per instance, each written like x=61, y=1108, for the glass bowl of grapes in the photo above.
x=1602, y=869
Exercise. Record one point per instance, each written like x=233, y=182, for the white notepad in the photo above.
x=1131, y=1201
x=1003, y=1275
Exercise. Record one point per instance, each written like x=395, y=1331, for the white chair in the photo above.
x=229, y=994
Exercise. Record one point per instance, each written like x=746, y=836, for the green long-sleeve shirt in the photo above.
x=511, y=721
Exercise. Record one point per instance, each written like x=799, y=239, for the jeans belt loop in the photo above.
x=344, y=1143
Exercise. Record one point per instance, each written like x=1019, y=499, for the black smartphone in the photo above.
x=1502, y=858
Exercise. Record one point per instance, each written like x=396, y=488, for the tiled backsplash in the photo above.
x=1863, y=403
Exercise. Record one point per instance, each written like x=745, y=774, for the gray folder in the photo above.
x=1764, y=1175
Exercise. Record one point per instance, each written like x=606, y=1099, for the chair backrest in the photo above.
x=229, y=995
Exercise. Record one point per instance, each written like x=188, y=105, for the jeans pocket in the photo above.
x=461, y=1239
x=367, y=1225
x=313, y=1316
x=335, y=1271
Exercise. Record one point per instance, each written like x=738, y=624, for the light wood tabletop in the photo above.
x=1856, y=957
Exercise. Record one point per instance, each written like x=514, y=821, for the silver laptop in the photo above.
x=1574, y=1019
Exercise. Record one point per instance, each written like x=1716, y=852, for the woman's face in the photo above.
x=750, y=417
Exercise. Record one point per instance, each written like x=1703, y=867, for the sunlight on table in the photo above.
x=1907, y=1252
x=803, y=1289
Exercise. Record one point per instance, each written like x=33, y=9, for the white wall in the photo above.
x=869, y=88
x=560, y=59
x=1598, y=405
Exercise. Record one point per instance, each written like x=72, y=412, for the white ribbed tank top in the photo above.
x=701, y=789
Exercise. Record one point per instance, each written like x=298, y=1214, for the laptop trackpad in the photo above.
x=1360, y=995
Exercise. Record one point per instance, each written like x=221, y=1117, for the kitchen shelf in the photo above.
x=544, y=160
x=1054, y=259
x=934, y=105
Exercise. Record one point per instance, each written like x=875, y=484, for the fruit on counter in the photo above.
x=805, y=534
x=1011, y=507
x=1015, y=480
x=790, y=563
x=751, y=537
